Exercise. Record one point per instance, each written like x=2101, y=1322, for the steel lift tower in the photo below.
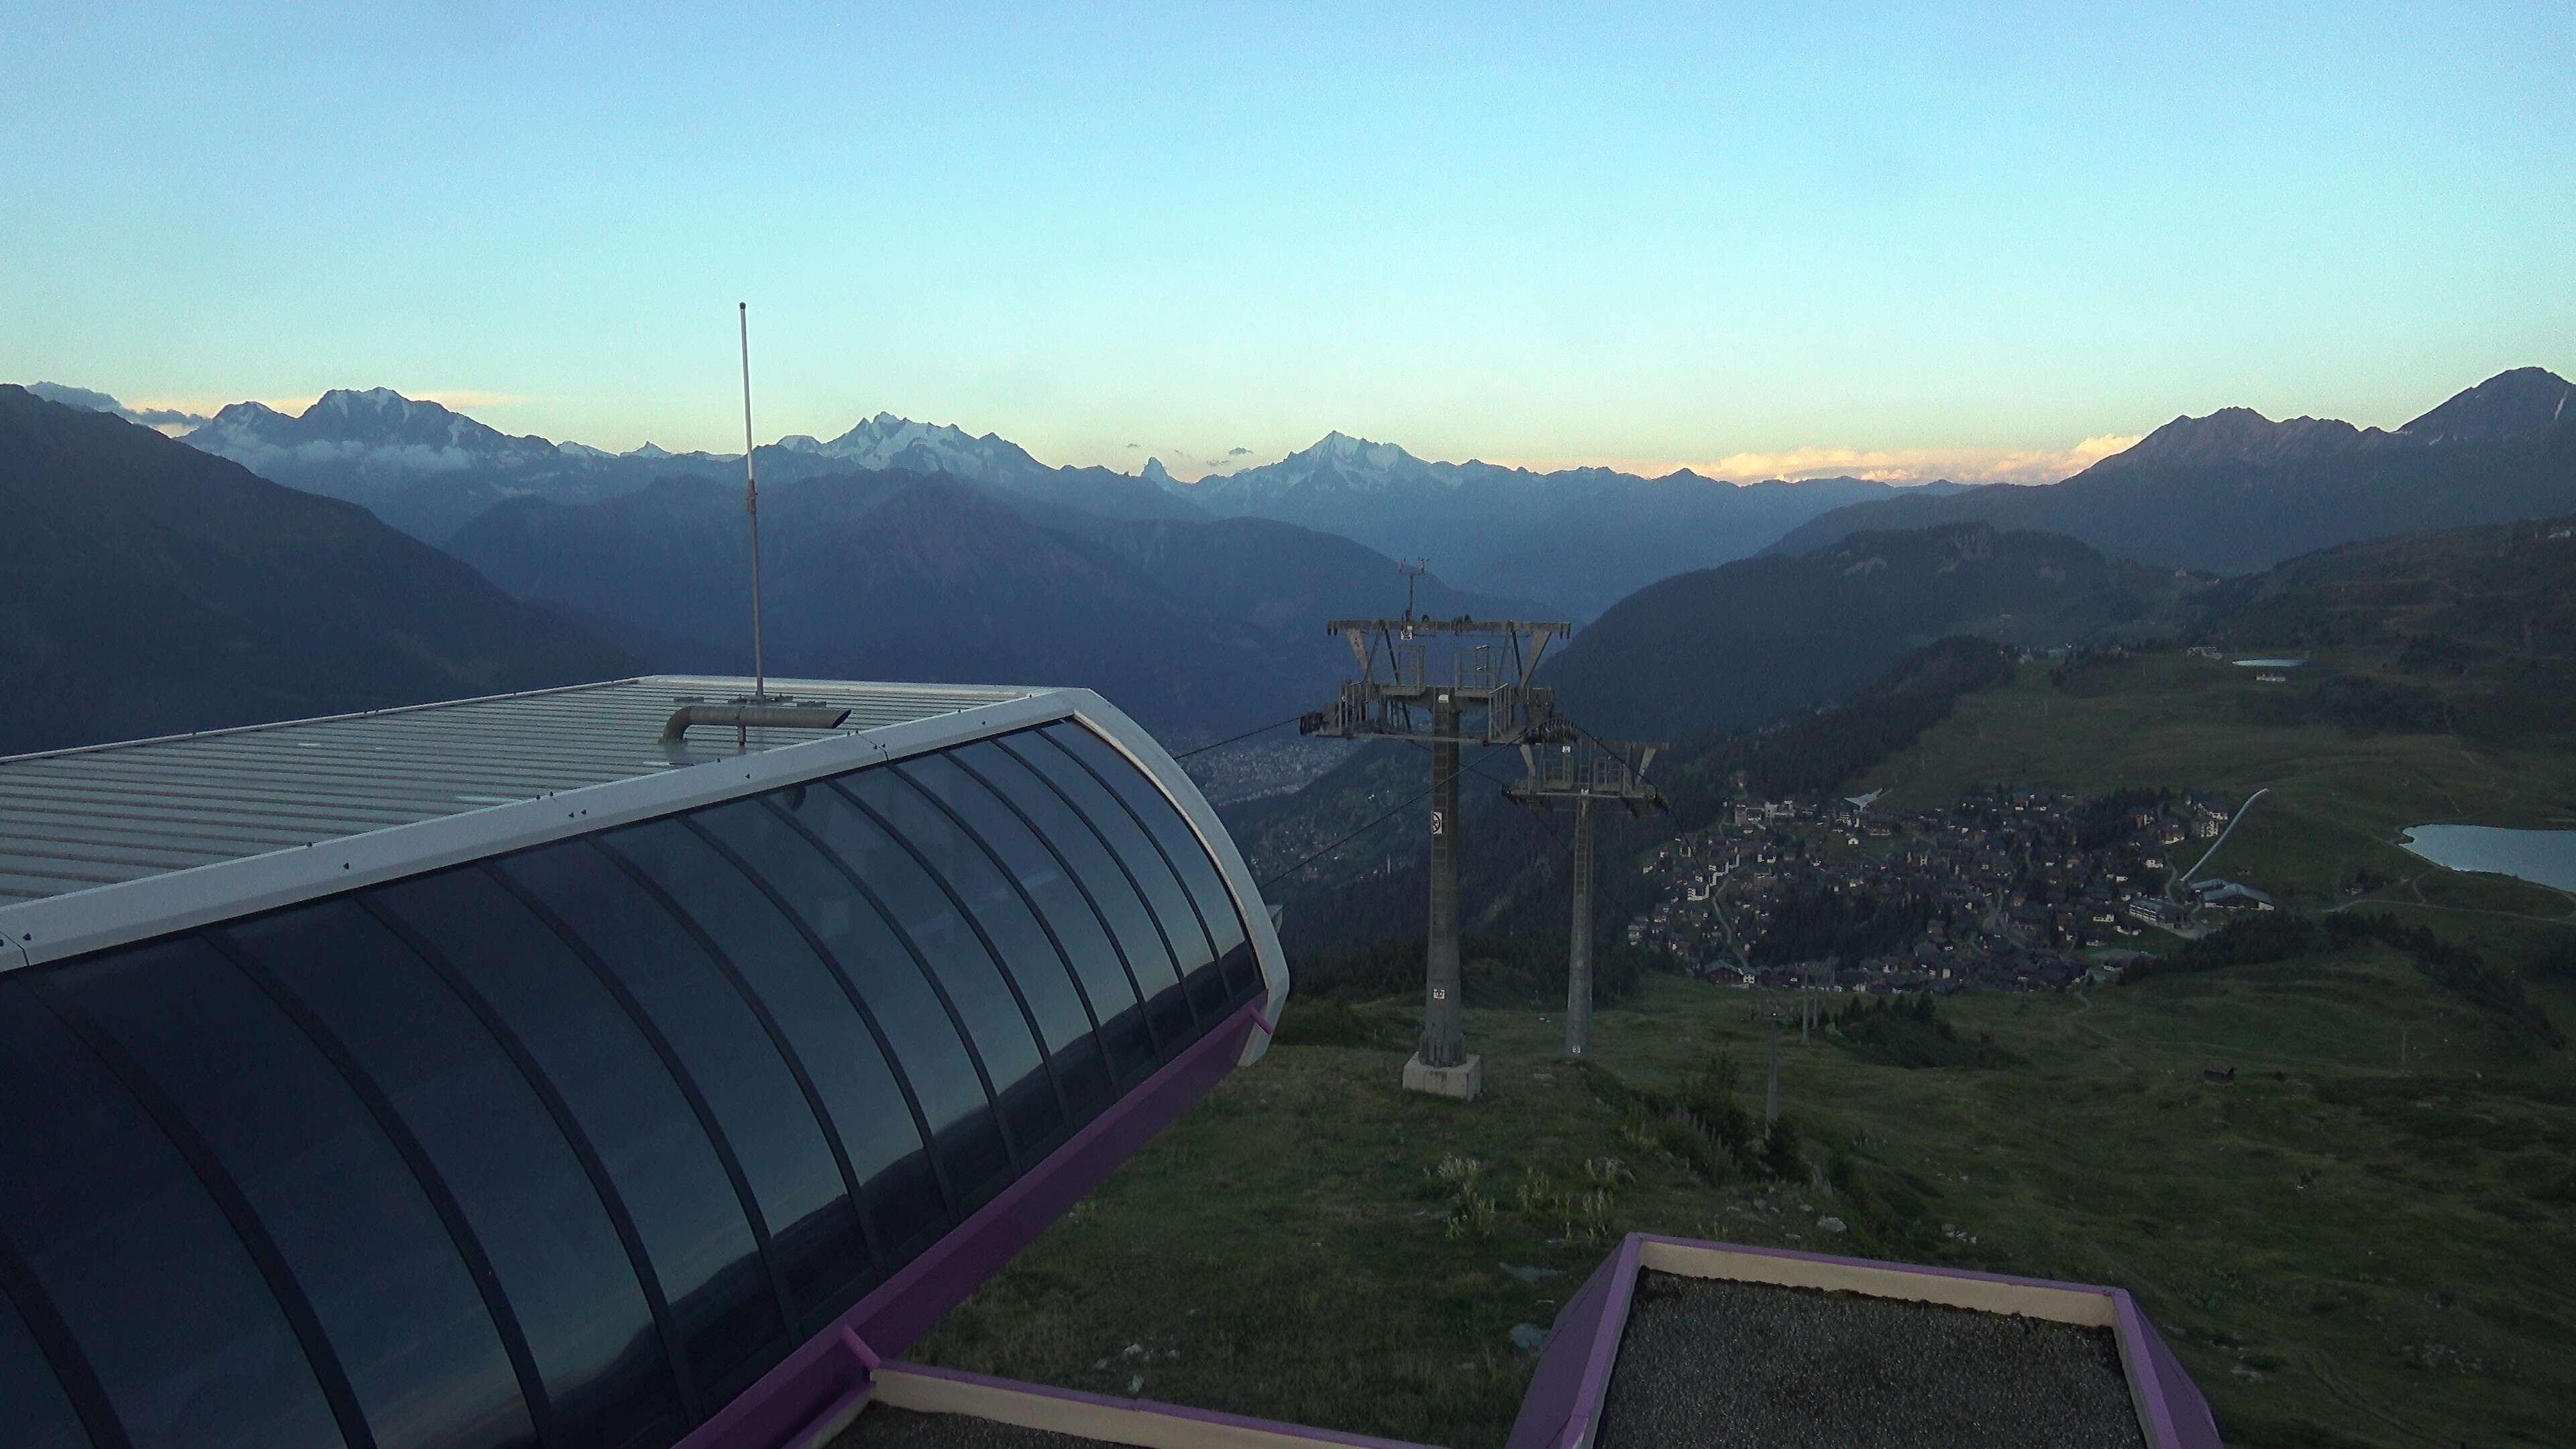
x=1444, y=683
x=1577, y=774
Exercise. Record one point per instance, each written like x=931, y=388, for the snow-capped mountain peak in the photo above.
x=891, y=443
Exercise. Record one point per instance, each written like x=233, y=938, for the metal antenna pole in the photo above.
x=751, y=507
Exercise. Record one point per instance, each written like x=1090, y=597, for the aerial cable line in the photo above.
x=1247, y=734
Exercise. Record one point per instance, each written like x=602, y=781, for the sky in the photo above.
x=1912, y=241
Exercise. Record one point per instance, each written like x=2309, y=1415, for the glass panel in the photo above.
x=1148, y=954
x=955, y=959
x=839, y=1054
x=532, y=1208
x=815, y=1233
x=40, y=1417
x=137, y=1258
x=1197, y=960
x=1031, y=959
x=918, y=1029
x=1049, y=884
x=1189, y=855
x=655, y=1151
x=352, y=1224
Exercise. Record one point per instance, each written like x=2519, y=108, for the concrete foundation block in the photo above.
x=1466, y=1083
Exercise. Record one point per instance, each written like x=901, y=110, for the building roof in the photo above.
x=71, y=820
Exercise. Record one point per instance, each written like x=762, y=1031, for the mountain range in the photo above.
x=154, y=588
x=429, y=470
x=900, y=549
x=1583, y=537
x=2235, y=491
x=1579, y=538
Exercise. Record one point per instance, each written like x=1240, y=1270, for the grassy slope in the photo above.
x=1286, y=1241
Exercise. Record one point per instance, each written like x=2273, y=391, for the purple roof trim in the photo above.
x=819, y=1377
x=1561, y=1406
x=1558, y=1383
x=2180, y=1412
x=1168, y=1411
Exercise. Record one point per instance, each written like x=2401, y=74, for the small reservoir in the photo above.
x=2542, y=857
x=2270, y=663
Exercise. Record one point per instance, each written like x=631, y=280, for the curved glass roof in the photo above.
x=568, y=1146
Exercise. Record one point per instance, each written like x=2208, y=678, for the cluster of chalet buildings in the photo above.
x=2010, y=885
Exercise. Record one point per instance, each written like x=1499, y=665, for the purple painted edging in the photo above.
x=1558, y=1381
x=2180, y=1410
x=1168, y=1411
x=1601, y=1349
x=791, y=1398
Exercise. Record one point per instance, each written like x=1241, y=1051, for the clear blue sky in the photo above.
x=1652, y=233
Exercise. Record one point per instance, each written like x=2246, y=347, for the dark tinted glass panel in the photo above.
x=1148, y=954
x=655, y=1151
x=561, y=1267
x=137, y=1258
x=1044, y=977
x=1059, y=899
x=947, y=945
x=861, y=1100
x=352, y=1224
x=918, y=1029
x=39, y=1416
x=1189, y=855
x=757, y=1105
x=1136, y=850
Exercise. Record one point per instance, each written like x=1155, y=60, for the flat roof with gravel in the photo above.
x=1720, y=1363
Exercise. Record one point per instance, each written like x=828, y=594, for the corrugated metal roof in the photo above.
x=73, y=819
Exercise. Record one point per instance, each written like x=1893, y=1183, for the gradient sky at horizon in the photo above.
x=1947, y=239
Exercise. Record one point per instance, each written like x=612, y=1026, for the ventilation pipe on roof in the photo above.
x=752, y=716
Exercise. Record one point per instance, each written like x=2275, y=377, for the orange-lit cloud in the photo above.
x=1886, y=465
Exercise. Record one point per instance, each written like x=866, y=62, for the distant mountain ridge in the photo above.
x=157, y=589
x=430, y=470
x=1580, y=536
x=2521, y=403
x=2236, y=492
x=1584, y=537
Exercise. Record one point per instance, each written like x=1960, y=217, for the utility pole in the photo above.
x=1581, y=773
x=1444, y=1024
x=1444, y=683
x=1578, y=945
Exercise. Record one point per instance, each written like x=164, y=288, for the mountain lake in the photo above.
x=2542, y=857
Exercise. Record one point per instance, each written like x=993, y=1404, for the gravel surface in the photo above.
x=883, y=1427
x=1708, y=1362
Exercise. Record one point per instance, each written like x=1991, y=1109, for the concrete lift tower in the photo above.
x=1422, y=680
x=1577, y=774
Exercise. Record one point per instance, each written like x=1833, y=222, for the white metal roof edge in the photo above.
x=1160, y=767
x=52, y=928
